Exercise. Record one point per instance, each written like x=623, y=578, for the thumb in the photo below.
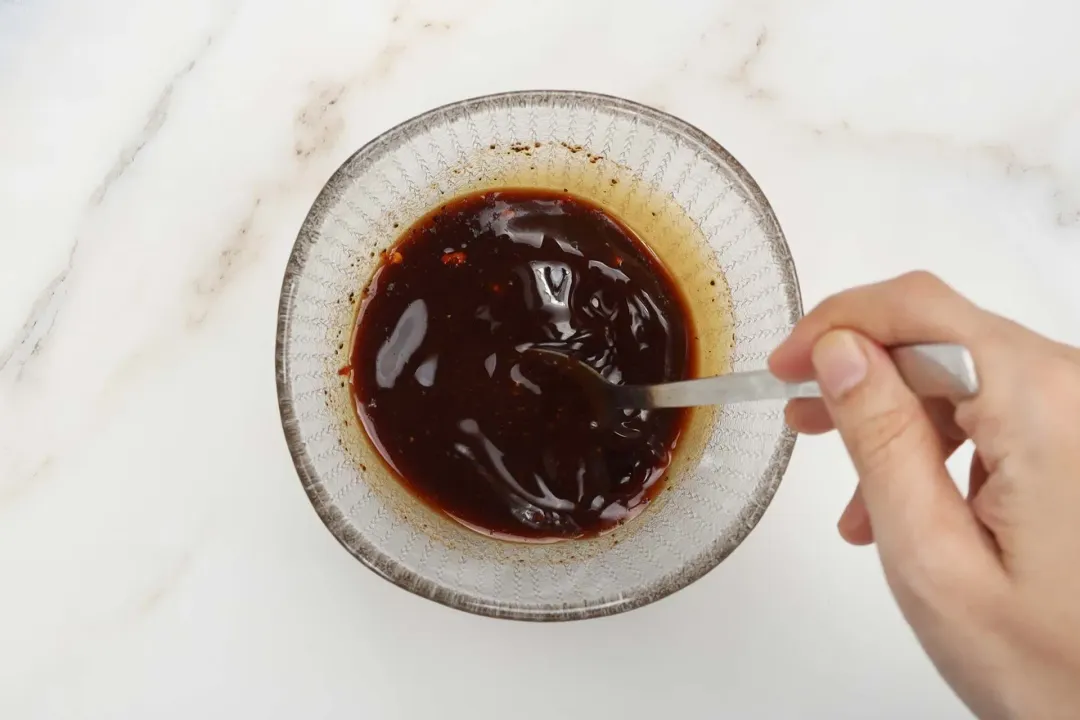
x=921, y=523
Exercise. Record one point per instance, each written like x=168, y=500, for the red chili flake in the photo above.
x=396, y=257
x=618, y=261
x=345, y=370
x=454, y=258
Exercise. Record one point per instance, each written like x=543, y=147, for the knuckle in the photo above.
x=922, y=282
x=1053, y=395
x=1061, y=374
x=982, y=420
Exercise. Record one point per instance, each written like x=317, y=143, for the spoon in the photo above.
x=931, y=370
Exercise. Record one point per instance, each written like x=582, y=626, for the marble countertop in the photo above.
x=160, y=559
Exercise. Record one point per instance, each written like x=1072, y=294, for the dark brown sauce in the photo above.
x=504, y=445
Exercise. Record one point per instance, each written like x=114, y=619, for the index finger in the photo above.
x=913, y=308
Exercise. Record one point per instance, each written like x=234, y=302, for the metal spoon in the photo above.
x=930, y=370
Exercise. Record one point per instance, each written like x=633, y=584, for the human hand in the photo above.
x=990, y=584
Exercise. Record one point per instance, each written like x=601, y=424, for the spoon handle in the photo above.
x=932, y=370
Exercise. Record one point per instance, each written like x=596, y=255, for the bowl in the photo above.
x=696, y=207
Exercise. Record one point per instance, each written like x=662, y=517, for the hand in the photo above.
x=990, y=584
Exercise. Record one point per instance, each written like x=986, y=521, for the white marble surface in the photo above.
x=157, y=554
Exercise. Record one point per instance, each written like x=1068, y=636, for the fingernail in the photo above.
x=839, y=362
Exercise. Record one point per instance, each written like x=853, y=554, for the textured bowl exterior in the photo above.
x=393, y=181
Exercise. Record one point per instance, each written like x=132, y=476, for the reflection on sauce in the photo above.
x=506, y=446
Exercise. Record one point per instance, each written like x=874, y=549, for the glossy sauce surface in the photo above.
x=504, y=445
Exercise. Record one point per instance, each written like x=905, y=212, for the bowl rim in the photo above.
x=385, y=565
